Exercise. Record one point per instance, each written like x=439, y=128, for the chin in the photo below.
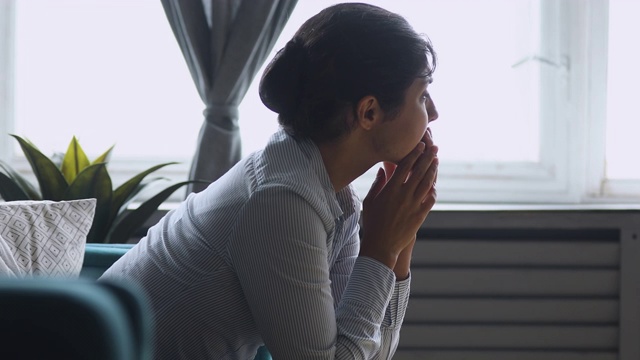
x=401, y=156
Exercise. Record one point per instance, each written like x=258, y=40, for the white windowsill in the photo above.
x=504, y=207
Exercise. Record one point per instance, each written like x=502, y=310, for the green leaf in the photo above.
x=52, y=183
x=94, y=182
x=130, y=188
x=9, y=190
x=136, y=191
x=105, y=157
x=31, y=143
x=74, y=161
x=26, y=186
x=128, y=222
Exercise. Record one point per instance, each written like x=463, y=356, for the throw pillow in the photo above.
x=45, y=238
x=8, y=265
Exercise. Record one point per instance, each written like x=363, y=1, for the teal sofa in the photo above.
x=99, y=257
x=44, y=317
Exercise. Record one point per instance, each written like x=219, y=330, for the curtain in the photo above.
x=224, y=43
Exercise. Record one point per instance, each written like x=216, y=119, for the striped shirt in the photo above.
x=267, y=254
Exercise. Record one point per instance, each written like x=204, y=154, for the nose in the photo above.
x=432, y=112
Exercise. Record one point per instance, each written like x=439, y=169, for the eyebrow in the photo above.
x=426, y=79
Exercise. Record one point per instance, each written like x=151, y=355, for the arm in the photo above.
x=280, y=256
x=410, y=196
x=396, y=309
x=403, y=264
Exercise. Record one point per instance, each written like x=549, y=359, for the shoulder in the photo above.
x=284, y=173
x=282, y=205
x=283, y=162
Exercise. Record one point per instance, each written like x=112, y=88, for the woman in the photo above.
x=270, y=253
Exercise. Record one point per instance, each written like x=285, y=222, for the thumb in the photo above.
x=378, y=184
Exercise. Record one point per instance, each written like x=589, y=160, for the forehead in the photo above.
x=421, y=82
x=417, y=87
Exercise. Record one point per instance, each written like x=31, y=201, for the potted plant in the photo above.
x=73, y=176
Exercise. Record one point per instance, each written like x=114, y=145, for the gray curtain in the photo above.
x=224, y=42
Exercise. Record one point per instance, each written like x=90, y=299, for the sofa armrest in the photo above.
x=99, y=257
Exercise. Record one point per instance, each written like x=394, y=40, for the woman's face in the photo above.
x=396, y=137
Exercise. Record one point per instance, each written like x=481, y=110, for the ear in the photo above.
x=368, y=112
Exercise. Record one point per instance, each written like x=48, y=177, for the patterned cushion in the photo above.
x=8, y=264
x=45, y=238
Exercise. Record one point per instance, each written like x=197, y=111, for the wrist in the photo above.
x=403, y=262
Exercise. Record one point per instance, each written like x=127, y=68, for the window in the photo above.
x=89, y=69
x=623, y=120
x=533, y=95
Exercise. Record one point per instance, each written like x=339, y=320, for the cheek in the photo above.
x=421, y=121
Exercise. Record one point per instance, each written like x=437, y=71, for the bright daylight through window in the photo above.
x=623, y=75
x=515, y=87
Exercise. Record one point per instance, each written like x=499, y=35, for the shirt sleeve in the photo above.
x=396, y=309
x=279, y=252
x=393, y=318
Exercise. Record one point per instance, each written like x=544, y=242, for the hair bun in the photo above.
x=282, y=80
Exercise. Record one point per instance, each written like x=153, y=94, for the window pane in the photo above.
x=109, y=72
x=623, y=118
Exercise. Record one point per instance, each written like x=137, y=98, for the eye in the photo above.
x=424, y=96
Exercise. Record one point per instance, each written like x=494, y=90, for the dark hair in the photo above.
x=337, y=57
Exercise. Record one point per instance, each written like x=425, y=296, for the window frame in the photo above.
x=7, y=24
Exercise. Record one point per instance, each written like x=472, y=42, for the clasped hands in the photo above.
x=398, y=203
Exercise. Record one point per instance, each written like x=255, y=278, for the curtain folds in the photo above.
x=224, y=42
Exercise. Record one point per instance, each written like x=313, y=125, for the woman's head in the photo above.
x=337, y=57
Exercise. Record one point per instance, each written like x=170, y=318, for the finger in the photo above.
x=428, y=138
x=422, y=166
x=428, y=180
x=405, y=165
x=377, y=185
x=430, y=200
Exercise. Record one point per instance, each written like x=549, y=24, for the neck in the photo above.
x=343, y=169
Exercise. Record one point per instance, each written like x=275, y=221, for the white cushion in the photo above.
x=44, y=238
x=8, y=265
